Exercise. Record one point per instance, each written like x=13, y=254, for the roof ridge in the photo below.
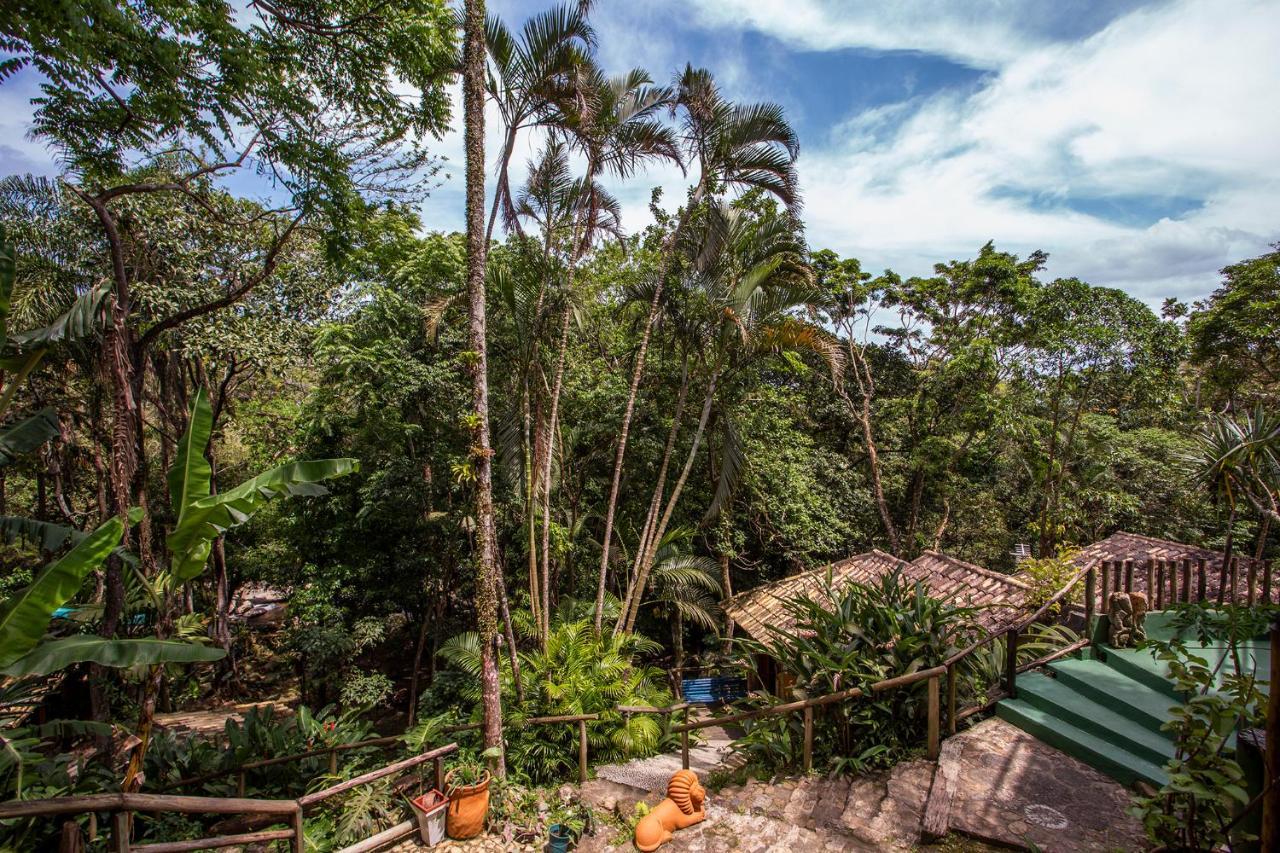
x=999, y=576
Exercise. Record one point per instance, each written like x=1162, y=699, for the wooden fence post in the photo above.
x=120, y=832
x=808, y=738
x=1128, y=568
x=298, y=843
x=951, y=696
x=439, y=775
x=1159, y=602
x=1128, y=575
x=1201, y=580
x=1186, y=580
x=333, y=762
x=240, y=784
x=1253, y=580
x=1011, y=663
x=1151, y=582
x=933, y=718
x=1266, y=581
x=1089, y=604
x=1106, y=584
x=1235, y=576
x=582, y=752
x=1271, y=759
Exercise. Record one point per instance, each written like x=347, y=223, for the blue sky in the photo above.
x=1135, y=142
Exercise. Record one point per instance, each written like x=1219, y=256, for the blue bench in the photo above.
x=713, y=690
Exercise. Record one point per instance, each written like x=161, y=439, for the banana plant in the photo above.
x=25, y=617
x=203, y=516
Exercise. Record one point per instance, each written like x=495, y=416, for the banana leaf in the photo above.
x=203, y=521
x=26, y=435
x=26, y=615
x=191, y=476
x=54, y=655
x=81, y=320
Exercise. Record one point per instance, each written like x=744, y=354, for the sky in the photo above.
x=1135, y=142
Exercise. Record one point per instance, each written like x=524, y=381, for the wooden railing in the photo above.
x=122, y=806
x=240, y=771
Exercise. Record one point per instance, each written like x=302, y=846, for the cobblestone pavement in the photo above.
x=1010, y=790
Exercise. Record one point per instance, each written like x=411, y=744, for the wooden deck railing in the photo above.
x=122, y=806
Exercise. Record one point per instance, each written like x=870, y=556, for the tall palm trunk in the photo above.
x=552, y=425
x=487, y=577
x=636, y=373
x=632, y=609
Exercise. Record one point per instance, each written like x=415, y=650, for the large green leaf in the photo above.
x=26, y=435
x=81, y=320
x=204, y=520
x=191, y=476
x=46, y=536
x=25, y=616
x=59, y=654
x=51, y=537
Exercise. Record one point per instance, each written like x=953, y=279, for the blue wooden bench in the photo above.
x=713, y=690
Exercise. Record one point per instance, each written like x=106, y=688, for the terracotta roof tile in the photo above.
x=1001, y=598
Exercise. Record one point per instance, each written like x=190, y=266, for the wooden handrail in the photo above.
x=374, y=775
x=144, y=803
x=213, y=843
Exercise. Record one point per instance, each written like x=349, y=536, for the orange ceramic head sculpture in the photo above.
x=681, y=808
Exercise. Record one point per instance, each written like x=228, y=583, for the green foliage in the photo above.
x=1206, y=787
x=854, y=637
x=1048, y=575
x=577, y=673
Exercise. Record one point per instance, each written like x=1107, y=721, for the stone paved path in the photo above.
x=1012, y=789
x=651, y=774
x=1008, y=789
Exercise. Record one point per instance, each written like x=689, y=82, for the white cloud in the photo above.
x=1167, y=102
x=979, y=33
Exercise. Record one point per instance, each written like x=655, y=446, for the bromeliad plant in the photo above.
x=851, y=637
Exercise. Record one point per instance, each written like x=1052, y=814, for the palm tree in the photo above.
x=733, y=146
x=534, y=81
x=1240, y=460
x=685, y=588
x=752, y=273
x=473, y=88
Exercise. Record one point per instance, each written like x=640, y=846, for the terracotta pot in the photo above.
x=468, y=806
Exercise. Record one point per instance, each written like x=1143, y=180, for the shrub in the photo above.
x=576, y=673
x=848, y=638
x=1048, y=575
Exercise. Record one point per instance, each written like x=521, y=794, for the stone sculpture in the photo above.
x=682, y=808
x=1127, y=617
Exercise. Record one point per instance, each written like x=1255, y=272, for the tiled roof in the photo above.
x=1142, y=550
x=1002, y=598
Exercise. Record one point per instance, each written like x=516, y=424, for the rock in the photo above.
x=566, y=794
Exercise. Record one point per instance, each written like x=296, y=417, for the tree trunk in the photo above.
x=1226, y=556
x=636, y=373
x=632, y=607
x=552, y=426
x=473, y=79
x=866, y=389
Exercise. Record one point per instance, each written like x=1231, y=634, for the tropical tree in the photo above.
x=534, y=78
x=202, y=515
x=685, y=589
x=732, y=146
x=488, y=576
x=748, y=273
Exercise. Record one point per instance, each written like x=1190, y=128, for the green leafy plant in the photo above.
x=577, y=672
x=853, y=637
x=466, y=773
x=1048, y=575
x=1199, y=807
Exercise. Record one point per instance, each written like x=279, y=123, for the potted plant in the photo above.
x=468, y=787
x=565, y=826
x=430, y=811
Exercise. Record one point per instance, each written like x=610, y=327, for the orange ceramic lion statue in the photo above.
x=681, y=808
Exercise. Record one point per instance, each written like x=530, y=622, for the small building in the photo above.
x=1000, y=599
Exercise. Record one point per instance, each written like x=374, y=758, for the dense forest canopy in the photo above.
x=230, y=276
